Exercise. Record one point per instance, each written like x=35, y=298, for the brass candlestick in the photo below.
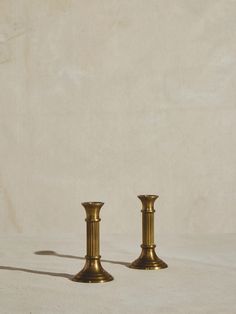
x=93, y=270
x=148, y=258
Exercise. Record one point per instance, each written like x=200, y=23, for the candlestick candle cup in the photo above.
x=93, y=271
x=148, y=258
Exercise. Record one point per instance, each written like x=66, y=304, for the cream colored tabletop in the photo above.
x=35, y=276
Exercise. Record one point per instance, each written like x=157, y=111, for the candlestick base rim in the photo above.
x=88, y=277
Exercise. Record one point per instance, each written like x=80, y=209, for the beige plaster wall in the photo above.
x=104, y=100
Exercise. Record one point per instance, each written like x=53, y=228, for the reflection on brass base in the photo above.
x=148, y=259
x=93, y=272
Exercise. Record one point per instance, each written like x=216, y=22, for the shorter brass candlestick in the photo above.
x=148, y=258
x=93, y=270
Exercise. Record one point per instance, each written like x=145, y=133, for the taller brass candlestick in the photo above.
x=93, y=270
x=148, y=258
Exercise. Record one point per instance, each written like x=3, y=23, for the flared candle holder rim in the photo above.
x=95, y=203
x=150, y=196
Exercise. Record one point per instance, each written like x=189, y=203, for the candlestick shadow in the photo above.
x=53, y=253
x=38, y=272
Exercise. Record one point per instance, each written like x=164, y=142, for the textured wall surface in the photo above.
x=104, y=100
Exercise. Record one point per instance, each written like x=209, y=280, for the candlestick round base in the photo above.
x=148, y=260
x=93, y=272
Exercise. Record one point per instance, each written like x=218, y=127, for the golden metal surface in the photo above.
x=148, y=258
x=93, y=270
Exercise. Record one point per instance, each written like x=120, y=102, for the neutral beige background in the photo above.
x=104, y=100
